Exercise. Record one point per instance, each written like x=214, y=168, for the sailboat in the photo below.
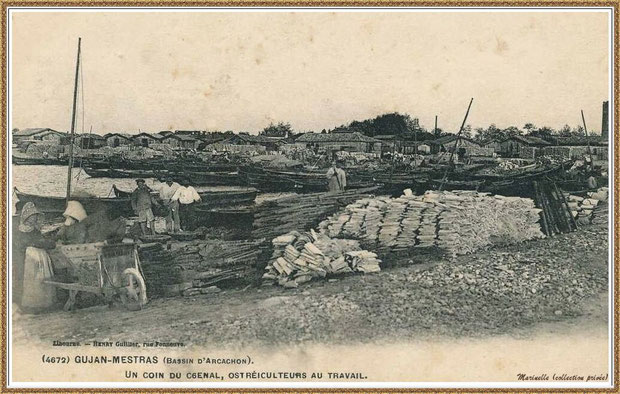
x=57, y=205
x=120, y=204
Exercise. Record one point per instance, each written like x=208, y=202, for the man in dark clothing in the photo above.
x=141, y=202
x=26, y=233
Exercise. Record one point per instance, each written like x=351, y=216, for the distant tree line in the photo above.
x=407, y=127
x=529, y=129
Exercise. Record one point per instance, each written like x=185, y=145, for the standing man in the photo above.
x=185, y=197
x=336, y=178
x=166, y=191
x=142, y=203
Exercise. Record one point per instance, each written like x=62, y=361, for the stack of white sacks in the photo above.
x=459, y=222
x=300, y=257
x=583, y=208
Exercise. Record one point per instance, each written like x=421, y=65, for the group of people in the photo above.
x=30, y=247
x=176, y=201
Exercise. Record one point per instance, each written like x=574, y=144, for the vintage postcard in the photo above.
x=316, y=197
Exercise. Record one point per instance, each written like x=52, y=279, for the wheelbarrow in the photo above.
x=109, y=271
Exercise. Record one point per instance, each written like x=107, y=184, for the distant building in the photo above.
x=146, y=139
x=189, y=132
x=389, y=142
x=448, y=143
x=351, y=142
x=407, y=143
x=90, y=141
x=270, y=143
x=181, y=141
x=522, y=146
x=38, y=134
x=493, y=143
x=117, y=139
x=576, y=147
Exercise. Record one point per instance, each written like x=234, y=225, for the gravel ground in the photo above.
x=504, y=290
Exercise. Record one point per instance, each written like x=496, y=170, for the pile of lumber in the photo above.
x=301, y=212
x=157, y=268
x=195, y=267
x=458, y=222
x=300, y=257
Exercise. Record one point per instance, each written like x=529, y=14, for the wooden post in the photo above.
x=542, y=206
x=570, y=213
x=72, y=138
x=587, y=140
x=551, y=215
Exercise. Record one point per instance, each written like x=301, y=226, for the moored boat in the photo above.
x=54, y=204
x=226, y=197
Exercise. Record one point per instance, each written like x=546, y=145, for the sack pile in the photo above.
x=300, y=257
x=459, y=222
x=584, y=210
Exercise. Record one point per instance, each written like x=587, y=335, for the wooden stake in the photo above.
x=544, y=215
x=570, y=213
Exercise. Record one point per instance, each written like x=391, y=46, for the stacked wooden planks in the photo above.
x=192, y=267
x=301, y=212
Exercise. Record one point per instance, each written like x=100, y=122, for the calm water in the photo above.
x=52, y=181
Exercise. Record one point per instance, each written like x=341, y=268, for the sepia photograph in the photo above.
x=309, y=198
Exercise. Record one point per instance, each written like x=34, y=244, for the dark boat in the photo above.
x=293, y=181
x=57, y=205
x=121, y=203
x=25, y=160
x=214, y=198
x=171, y=166
x=116, y=173
x=208, y=178
x=191, y=177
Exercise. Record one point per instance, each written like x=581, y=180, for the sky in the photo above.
x=152, y=71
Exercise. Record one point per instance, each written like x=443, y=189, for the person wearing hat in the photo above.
x=26, y=234
x=73, y=231
x=142, y=203
x=336, y=178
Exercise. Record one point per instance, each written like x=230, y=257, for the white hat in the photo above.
x=75, y=210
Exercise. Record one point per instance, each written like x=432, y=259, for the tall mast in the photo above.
x=72, y=137
x=585, y=128
x=456, y=144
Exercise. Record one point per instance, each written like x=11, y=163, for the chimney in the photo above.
x=605, y=122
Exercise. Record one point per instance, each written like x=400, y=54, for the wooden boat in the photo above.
x=53, y=204
x=172, y=166
x=190, y=177
x=116, y=173
x=213, y=198
x=121, y=202
x=293, y=181
x=25, y=160
x=208, y=178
